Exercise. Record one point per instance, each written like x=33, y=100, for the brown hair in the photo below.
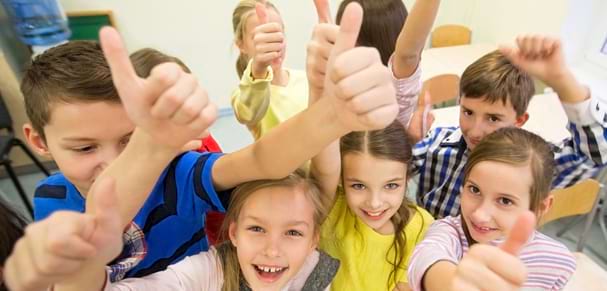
x=391, y=143
x=518, y=147
x=11, y=229
x=240, y=15
x=73, y=72
x=145, y=59
x=494, y=78
x=382, y=23
x=297, y=180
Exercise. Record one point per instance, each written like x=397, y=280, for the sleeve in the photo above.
x=421, y=148
x=133, y=252
x=440, y=244
x=407, y=92
x=51, y=197
x=203, y=183
x=251, y=99
x=581, y=155
x=199, y=272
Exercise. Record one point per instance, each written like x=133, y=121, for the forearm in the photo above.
x=412, y=38
x=439, y=276
x=136, y=171
x=283, y=149
x=91, y=277
x=326, y=169
x=252, y=99
x=568, y=88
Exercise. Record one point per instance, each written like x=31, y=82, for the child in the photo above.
x=273, y=228
x=11, y=229
x=508, y=173
x=268, y=93
x=144, y=60
x=372, y=228
x=174, y=204
x=495, y=93
x=400, y=38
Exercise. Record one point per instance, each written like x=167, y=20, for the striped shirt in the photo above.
x=441, y=156
x=549, y=263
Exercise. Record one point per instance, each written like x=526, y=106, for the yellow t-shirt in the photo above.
x=261, y=106
x=363, y=252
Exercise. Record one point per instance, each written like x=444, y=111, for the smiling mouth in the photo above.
x=269, y=274
x=482, y=229
x=374, y=215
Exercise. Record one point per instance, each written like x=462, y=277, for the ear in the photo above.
x=546, y=204
x=240, y=45
x=520, y=120
x=35, y=140
x=232, y=233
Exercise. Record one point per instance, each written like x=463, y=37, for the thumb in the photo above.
x=511, y=53
x=123, y=73
x=348, y=30
x=520, y=233
x=262, y=13
x=323, y=11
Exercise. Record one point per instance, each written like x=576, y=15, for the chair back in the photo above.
x=442, y=88
x=574, y=200
x=6, y=122
x=450, y=35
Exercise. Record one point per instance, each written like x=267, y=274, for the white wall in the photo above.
x=200, y=33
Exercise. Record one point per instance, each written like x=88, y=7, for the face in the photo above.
x=493, y=197
x=375, y=189
x=246, y=45
x=479, y=118
x=83, y=138
x=273, y=236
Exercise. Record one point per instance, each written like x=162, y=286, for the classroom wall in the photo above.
x=200, y=33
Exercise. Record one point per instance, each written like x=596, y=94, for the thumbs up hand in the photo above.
x=169, y=105
x=487, y=267
x=269, y=43
x=357, y=82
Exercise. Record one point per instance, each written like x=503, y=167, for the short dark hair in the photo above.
x=72, y=72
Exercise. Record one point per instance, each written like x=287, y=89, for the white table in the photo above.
x=452, y=59
x=546, y=117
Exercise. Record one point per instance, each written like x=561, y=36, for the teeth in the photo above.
x=270, y=269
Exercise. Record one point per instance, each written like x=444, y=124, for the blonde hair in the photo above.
x=518, y=147
x=297, y=180
x=240, y=16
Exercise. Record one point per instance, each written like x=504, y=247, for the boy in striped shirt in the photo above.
x=495, y=92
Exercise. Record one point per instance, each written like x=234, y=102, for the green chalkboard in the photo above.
x=86, y=25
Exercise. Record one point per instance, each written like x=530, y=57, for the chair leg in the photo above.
x=22, y=194
x=569, y=225
x=32, y=157
x=589, y=219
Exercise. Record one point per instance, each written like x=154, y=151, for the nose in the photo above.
x=272, y=247
x=105, y=157
x=374, y=201
x=478, y=129
x=482, y=213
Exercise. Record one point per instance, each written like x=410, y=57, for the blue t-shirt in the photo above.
x=172, y=218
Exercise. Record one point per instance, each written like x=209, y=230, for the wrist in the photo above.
x=144, y=144
x=259, y=71
x=330, y=116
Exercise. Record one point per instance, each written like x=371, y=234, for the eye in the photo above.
x=505, y=201
x=474, y=190
x=124, y=141
x=466, y=112
x=255, y=228
x=494, y=119
x=293, y=232
x=84, y=149
x=358, y=186
x=392, y=186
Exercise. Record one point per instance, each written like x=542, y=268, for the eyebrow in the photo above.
x=391, y=180
x=490, y=114
x=89, y=139
x=288, y=223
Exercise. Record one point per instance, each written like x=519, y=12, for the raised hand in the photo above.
x=269, y=42
x=422, y=119
x=487, y=267
x=54, y=249
x=323, y=12
x=540, y=56
x=357, y=81
x=169, y=105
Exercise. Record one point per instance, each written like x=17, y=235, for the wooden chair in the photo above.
x=442, y=88
x=581, y=198
x=450, y=35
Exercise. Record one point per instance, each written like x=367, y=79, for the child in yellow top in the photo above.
x=268, y=93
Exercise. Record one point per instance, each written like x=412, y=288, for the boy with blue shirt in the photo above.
x=170, y=109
